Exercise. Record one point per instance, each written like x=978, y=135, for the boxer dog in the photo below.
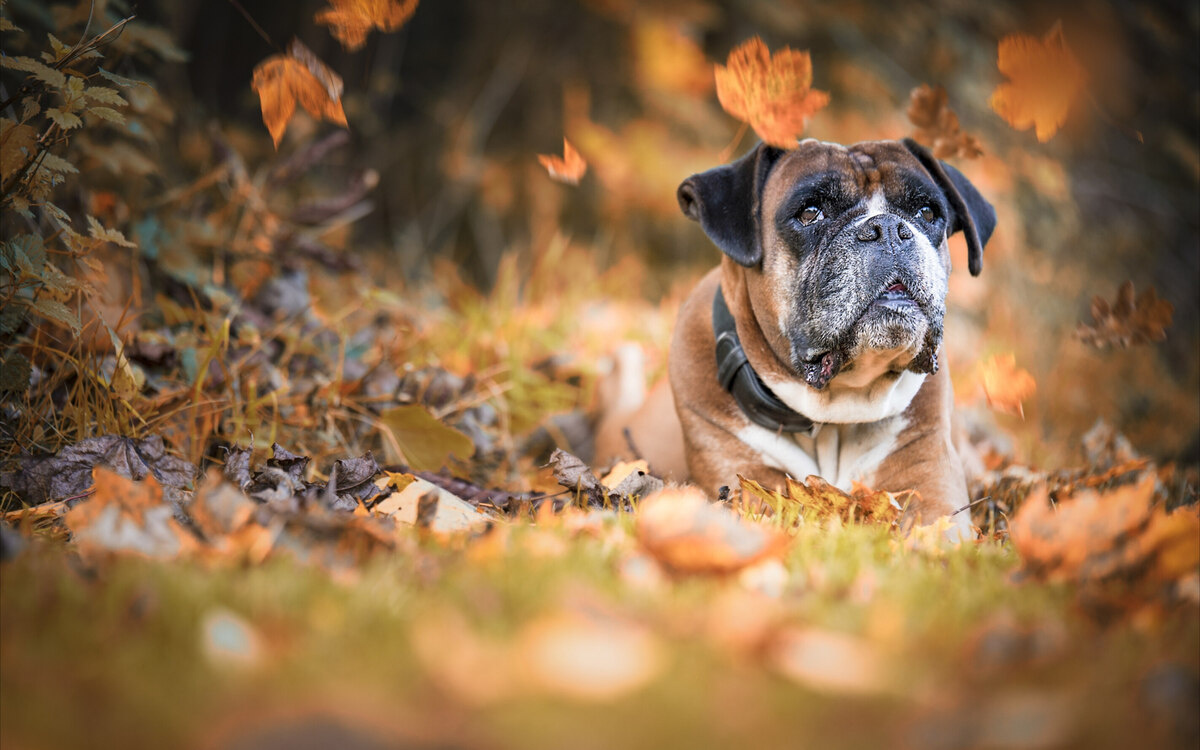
x=814, y=347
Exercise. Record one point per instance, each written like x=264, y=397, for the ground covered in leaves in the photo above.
x=298, y=379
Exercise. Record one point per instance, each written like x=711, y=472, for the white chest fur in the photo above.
x=839, y=453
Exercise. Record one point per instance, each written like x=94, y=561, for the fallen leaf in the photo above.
x=1092, y=536
x=1045, y=79
x=1006, y=385
x=829, y=662
x=937, y=125
x=587, y=657
x=1127, y=321
x=623, y=469
x=772, y=93
x=424, y=441
x=299, y=76
x=351, y=20
x=449, y=514
x=126, y=516
x=569, y=169
x=574, y=474
x=68, y=473
x=687, y=534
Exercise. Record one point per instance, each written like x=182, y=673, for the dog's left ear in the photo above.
x=972, y=213
x=727, y=203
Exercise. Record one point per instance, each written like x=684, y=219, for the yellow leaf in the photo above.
x=424, y=441
x=351, y=20
x=1045, y=79
x=770, y=93
x=283, y=80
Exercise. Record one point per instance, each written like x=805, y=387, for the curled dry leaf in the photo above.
x=1045, y=79
x=936, y=125
x=569, y=169
x=351, y=20
x=771, y=93
x=1127, y=320
x=1093, y=537
x=1006, y=385
x=687, y=534
x=282, y=81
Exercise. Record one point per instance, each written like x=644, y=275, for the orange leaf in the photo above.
x=569, y=169
x=351, y=20
x=770, y=93
x=283, y=80
x=1005, y=384
x=1045, y=80
x=937, y=125
x=1091, y=536
x=124, y=515
x=688, y=534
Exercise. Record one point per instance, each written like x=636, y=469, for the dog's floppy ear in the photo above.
x=726, y=201
x=972, y=214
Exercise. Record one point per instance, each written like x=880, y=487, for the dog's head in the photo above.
x=845, y=248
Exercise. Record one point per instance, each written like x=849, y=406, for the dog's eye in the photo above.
x=927, y=213
x=810, y=215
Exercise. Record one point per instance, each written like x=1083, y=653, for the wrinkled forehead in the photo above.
x=857, y=171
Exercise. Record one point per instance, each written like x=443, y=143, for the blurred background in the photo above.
x=438, y=175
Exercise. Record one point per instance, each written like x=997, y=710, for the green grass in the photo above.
x=114, y=655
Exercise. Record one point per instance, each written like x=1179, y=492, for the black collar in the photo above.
x=737, y=376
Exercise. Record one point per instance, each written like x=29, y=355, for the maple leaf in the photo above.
x=1005, y=384
x=771, y=93
x=937, y=125
x=299, y=76
x=1045, y=79
x=351, y=20
x=1128, y=320
x=568, y=169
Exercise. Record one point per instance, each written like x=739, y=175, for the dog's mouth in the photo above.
x=894, y=301
x=895, y=296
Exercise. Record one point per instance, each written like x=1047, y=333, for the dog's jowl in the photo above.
x=814, y=348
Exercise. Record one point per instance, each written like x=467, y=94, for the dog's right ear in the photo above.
x=727, y=203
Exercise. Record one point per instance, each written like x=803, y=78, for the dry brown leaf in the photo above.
x=568, y=169
x=1006, y=385
x=299, y=76
x=687, y=534
x=1127, y=320
x=772, y=93
x=1092, y=537
x=127, y=516
x=351, y=20
x=1045, y=79
x=936, y=125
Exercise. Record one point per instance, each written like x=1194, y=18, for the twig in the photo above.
x=254, y=23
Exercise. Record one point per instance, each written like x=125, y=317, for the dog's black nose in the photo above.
x=889, y=228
